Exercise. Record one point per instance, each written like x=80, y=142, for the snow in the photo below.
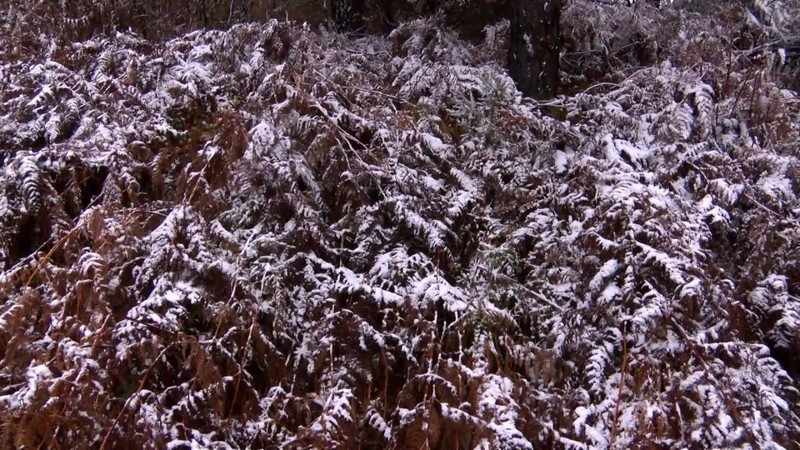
x=401, y=233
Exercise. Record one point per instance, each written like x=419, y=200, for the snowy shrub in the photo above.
x=313, y=241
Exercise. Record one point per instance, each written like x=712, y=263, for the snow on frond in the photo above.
x=598, y=437
x=352, y=283
x=497, y=406
x=608, y=270
x=38, y=378
x=772, y=295
x=40, y=100
x=673, y=266
x=336, y=420
x=599, y=359
x=164, y=309
x=374, y=420
x=267, y=236
x=776, y=186
x=779, y=15
x=423, y=37
x=624, y=153
x=434, y=289
x=702, y=97
x=31, y=184
x=727, y=194
x=675, y=123
x=92, y=265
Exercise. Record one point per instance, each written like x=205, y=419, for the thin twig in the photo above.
x=250, y=333
x=42, y=261
x=620, y=385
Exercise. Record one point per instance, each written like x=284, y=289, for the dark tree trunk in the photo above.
x=534, y=46
x=347, y=15
x=384, y=10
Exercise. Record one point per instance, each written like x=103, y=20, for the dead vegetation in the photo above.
x=267, y=237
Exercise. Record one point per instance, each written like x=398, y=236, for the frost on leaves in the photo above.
x=322, y=243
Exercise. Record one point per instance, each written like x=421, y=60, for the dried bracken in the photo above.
x=271, y=237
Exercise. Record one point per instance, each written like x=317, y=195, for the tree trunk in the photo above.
x=347, y=15
x=534, y=46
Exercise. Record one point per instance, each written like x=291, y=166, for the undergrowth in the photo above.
x=271, y=237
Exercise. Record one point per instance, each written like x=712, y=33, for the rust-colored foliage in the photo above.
x=269, y=237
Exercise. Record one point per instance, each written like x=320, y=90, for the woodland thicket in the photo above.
x=224, y=230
